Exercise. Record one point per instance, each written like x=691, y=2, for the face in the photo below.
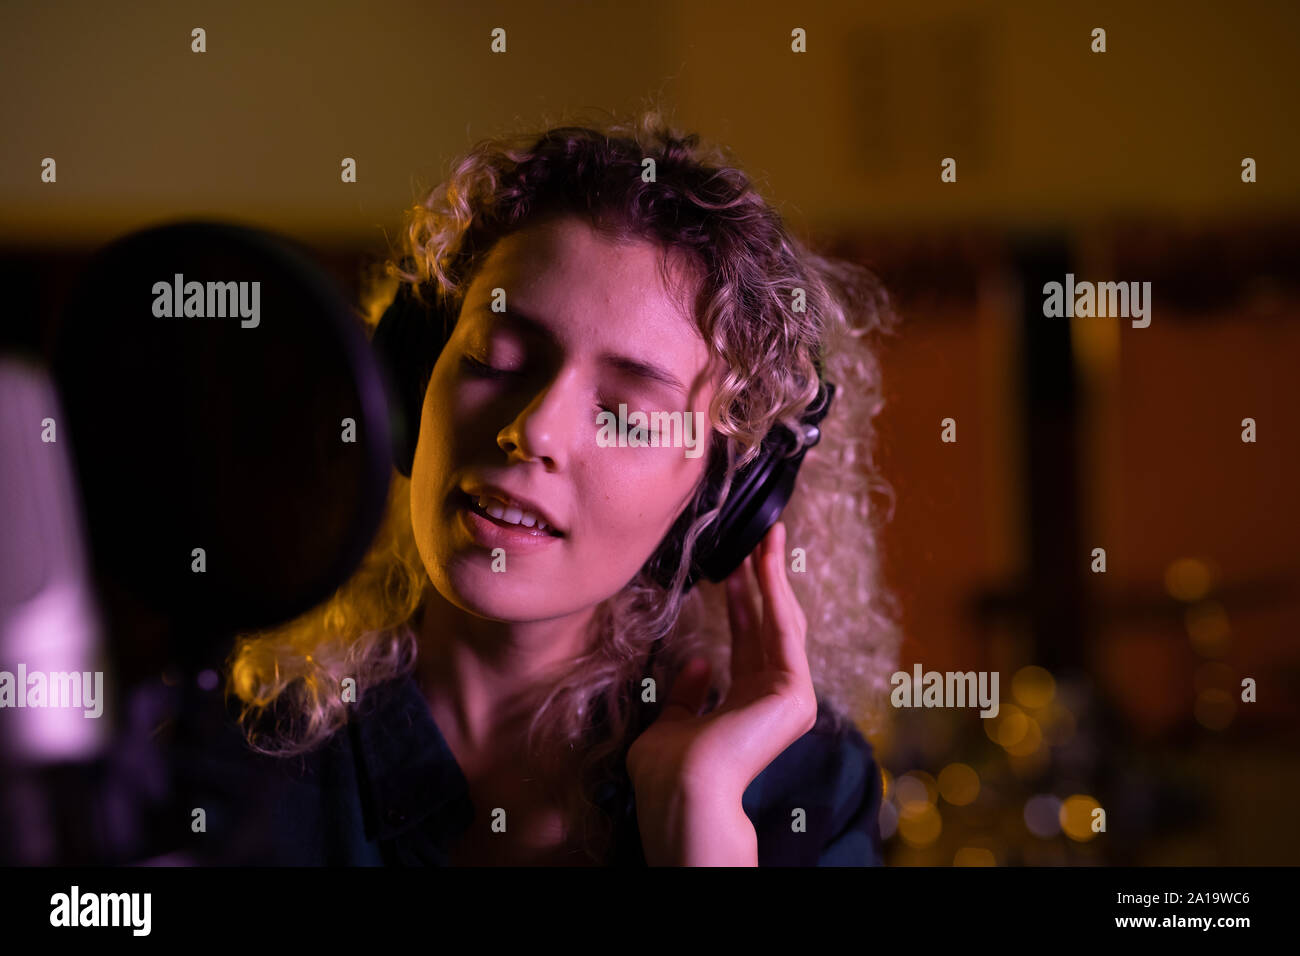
x=514, y=404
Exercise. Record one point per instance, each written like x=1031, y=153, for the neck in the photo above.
x=477, y=672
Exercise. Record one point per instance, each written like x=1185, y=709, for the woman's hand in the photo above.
x=689, y=771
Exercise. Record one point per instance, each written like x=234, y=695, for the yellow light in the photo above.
x=990, y=724
x=913, y=792
x=1012, y=726
x=1029, y=741
x=959, y=784
x=931, y=786
x=1187, y=579
x=919, y=827
x=974, y=856
x=1077, y=817
x=1214, y=708
x=1033, y=686
x=1207, y=626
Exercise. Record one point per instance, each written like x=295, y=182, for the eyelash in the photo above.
x=483, y=370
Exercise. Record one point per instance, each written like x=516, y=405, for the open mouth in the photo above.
x=507, y=516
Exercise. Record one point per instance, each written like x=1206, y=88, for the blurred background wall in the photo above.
x=1072, y=434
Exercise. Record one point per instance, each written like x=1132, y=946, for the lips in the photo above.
x=492, y=533
x=475, y=490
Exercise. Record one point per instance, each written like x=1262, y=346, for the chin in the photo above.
x=475, y=588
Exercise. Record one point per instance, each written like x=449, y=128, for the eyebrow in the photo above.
x=623, y=363
x=632, y=366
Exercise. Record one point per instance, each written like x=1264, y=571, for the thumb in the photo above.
x=690, y=690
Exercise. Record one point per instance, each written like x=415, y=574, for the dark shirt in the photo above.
x=387, y=790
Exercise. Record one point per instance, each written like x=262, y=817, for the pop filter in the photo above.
x=228, y=427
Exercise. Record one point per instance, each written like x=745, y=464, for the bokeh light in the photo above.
x=959, y=784
x=1187, y=579
x=1214, y=708
x=916, y=789
x=919, y=825
x=1207, y=626
x=974, y=856
x=1076, y=817
x=1029, y=741
x=1033, y=687
x=1043, y=815
x=1008, y=727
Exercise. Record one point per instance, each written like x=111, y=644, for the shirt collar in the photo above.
x=409, y=772
x=409, y=775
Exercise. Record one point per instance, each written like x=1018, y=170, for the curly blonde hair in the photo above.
x=767, y=305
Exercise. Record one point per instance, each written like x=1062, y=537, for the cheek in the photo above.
x=637, y=497
x=434, y=455
x=445, y=421
x=453, y=421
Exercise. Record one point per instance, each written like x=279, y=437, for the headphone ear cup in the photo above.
x=408, y=340
x=663, y=563
x=761, y=492
x=758, y=495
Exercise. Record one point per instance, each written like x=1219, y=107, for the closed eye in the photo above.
x=483, y=370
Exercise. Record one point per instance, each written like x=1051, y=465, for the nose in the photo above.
x=548, y=425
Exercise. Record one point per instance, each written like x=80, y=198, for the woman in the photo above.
x=511, y=678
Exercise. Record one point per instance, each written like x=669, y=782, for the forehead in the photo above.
x=591, y=290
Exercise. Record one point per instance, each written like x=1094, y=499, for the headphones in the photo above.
x=408, y=340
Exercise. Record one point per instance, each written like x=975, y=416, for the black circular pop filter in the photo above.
x=226, y=431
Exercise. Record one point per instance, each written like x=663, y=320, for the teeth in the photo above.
x=510, y=514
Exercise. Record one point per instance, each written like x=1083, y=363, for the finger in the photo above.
x=783, y=549
x=689, y=692
x=783, y=629
x=743, y=614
